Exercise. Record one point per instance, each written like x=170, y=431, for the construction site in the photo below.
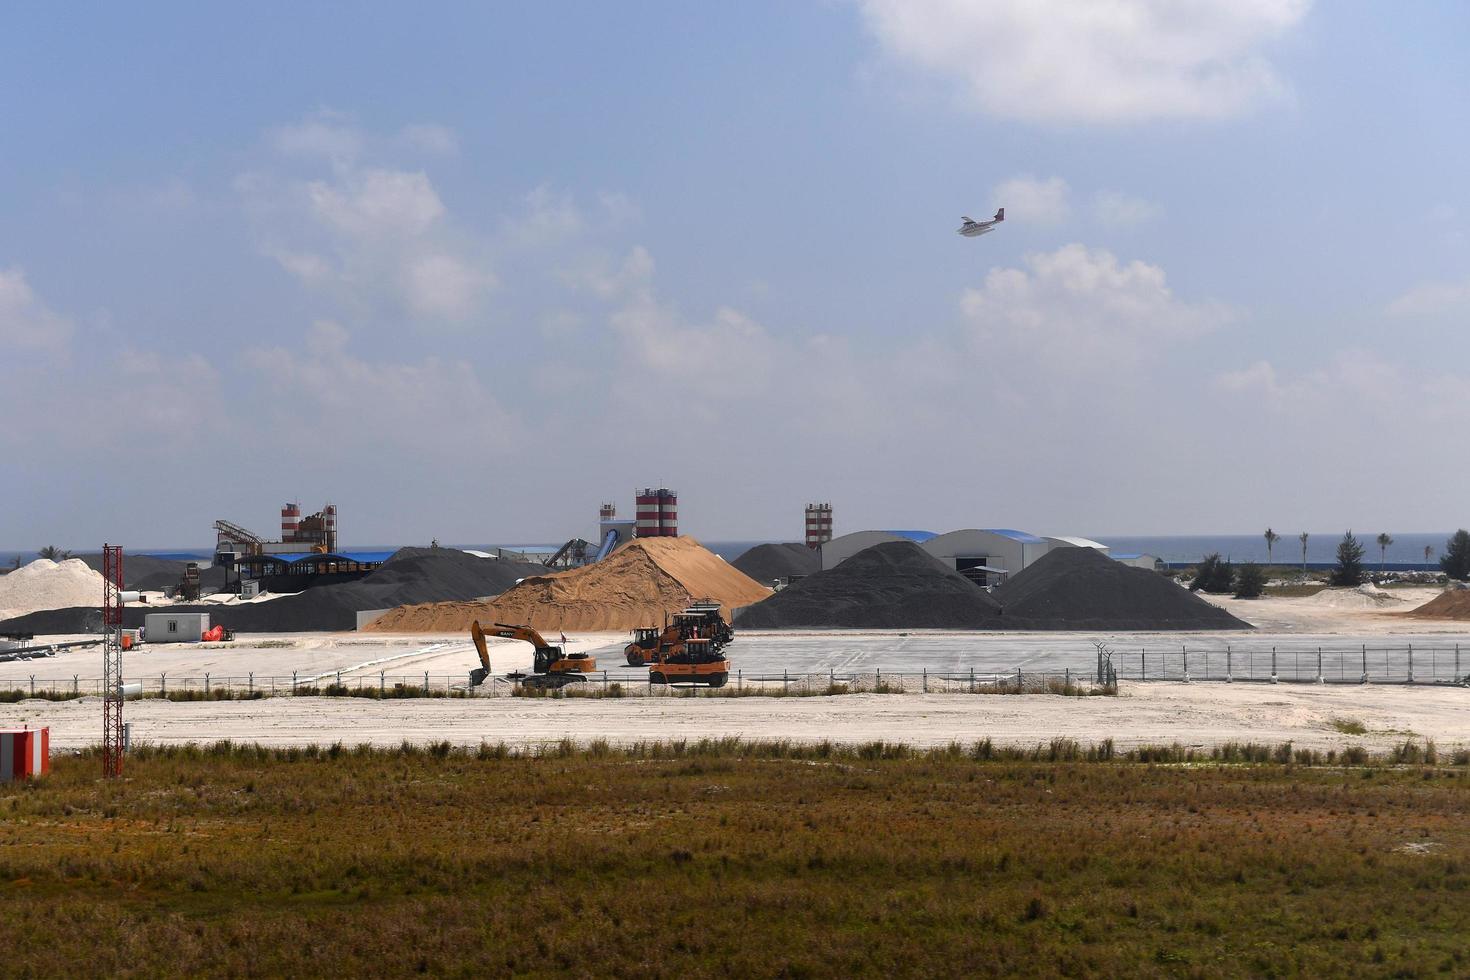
x=634, y=614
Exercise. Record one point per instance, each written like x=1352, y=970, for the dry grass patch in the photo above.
x=738, y=859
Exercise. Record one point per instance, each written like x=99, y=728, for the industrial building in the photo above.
x=818, y=524
x=305, y=555
x=988, y=556
x=656, y=513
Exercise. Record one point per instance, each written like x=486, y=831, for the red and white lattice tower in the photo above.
x=818, y=524
x=112, y=692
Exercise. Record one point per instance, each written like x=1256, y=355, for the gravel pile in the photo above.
x=46, y=584
x=412, y=575
x=1083, y=589
x=148, y=574
x=894, y=585
x=767, y=562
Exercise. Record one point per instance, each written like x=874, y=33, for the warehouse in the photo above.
x=986, y=555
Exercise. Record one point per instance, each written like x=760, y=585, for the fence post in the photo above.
x=1229, y=676
x=76, y=687
x=604, y=680
x=1067, y=683
x=1143, y=664
x=1457, y=661
x=1185, y=650
x=1273, y=665
x=252, y=683
x=1365, y=663
x=206, y=686
x=785, y=681
x=1018, y=680
x=972, y=680
x=293, y=682
x=1319, y=666
x=739, y=679
x=163, y=685
x=1411, y=663
x=33, y=685
x=926, y=680
x=382, y=684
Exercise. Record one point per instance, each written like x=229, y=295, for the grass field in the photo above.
x=730, y=858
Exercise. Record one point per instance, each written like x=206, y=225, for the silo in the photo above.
x=646, y=513
x=668, y=513
x=290, y=521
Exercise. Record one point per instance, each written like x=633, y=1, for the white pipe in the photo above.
x=129, y=596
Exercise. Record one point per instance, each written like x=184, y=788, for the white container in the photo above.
x=183, y=627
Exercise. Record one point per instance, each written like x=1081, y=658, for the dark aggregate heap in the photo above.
x=894, y=585
x=411, y=575
x=767, y=562
x=148, y=574
x=1083, y=589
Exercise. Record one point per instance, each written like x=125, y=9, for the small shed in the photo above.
x=175, y=627
x=24, y=753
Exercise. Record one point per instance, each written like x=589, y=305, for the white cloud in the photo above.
x=549, y=218
x=371, y=236
x=430, y=138
x=26, y=322
x=1088, y=61
x=1033, y=200
x=323, y=135
x=377, y=203
x=1081, y=309
x=1433, y=298
x=1117, y=208
x=436, y=406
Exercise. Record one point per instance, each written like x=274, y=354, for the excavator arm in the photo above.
x=546, y=659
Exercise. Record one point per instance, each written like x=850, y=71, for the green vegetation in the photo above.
x=1349, y=567
x=1250, y=581
x=53, y=553
x=1455, y=561
x=740, y=859
x=1213, y=574
x=1348, y=726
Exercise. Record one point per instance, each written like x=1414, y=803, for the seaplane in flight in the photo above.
x=974, y=229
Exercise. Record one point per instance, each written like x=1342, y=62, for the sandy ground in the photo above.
x=322, y=657
x=1153, y=713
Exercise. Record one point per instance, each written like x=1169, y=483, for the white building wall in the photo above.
x=1003, y=553
x=840, y=549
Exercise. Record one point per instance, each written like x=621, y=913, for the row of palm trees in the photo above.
x=1385, y=541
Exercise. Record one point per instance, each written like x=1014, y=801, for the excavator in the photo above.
x=550, y=667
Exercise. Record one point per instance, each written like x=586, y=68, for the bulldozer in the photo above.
x=550, y=666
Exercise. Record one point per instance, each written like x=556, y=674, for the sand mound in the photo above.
x=1080, y=588
x=637, y=585
x=412, y=575
x=1365, y=596
x=767, y=562
x=1454, y=604
x=45, y=584
x=894, y=585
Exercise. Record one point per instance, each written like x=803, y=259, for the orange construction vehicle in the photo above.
x=694, y=661
x=550, y=666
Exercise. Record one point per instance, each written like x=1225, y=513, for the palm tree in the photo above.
x=1384, y=540
x=1428, y=553
x=1303, y=539
x=1271, y=538
x=54, y=553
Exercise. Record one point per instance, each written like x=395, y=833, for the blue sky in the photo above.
x=469, y=270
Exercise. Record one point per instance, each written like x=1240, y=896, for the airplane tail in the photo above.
x=1000, y=215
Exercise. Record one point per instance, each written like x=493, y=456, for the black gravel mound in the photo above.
x=1083, y=589
x=148, y=574
x=411, y=575
x=767, y=562
x=894, y=585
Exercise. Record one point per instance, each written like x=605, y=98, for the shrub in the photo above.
x=1456, y=558
x=1214, y=574
x=1349, y=568
x=1250, y=581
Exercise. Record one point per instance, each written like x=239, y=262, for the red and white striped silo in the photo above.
x=668, y=513
x=818, y=524
x=645, y=513
x=329, y=522
x=290, y=521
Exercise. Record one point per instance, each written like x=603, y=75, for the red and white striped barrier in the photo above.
x=24, y=753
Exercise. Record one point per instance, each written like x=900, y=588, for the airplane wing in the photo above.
x=967, y=219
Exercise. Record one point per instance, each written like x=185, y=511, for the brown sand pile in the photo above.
x=637, y=585
x=1454, y=604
